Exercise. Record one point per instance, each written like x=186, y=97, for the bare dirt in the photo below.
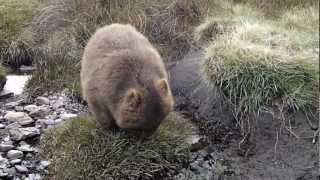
x=275, y=154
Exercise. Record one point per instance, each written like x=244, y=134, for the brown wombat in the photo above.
x=124, y=80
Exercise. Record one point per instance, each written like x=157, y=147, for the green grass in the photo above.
x=80, y=149
x=14, y=17
x=259, y=62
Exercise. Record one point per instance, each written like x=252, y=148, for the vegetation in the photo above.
x=260, y=62
x=80, y=149
x=15, y=16
x=2, y=77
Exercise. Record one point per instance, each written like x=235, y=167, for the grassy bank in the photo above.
x=61, y=29
x=263, y=63
x=80, y=149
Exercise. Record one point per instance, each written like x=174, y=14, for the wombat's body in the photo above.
x=124, y=80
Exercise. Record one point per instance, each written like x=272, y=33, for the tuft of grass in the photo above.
x=80, y=149
x=14, y=15
x=2, y=77
x=260, y=63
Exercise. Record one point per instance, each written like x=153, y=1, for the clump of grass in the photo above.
x=17, y=53
x=14, y=15
x=80, y=149
x=2, y=77
x=262, y=63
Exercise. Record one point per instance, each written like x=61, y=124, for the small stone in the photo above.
x=31, y=107
x=58, y=104
x=14, y=125
x=4, y=162
x=11, y=171
x=12, y=105
x=18, y=108
x=21, y=168
x=25, y=148
x=44, y=164
x=15, y=161
x=3, y=174
x=67, y=116
x=5, y=147
x=2, y=126
x=14, y=154
x=19, y=134
x=41, y=112
x=42, y=101
x=26, y=69
x=34, y=177
x=20, y=117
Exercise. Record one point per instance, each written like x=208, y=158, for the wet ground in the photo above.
x=276, y=152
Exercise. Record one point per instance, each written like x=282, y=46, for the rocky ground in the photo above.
x=22, y=122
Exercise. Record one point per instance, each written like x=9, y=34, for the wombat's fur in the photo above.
x=124, y=80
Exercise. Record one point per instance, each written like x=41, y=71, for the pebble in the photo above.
x=5, y=147
x=21, y=168
x=44, y=164
x=31, y=107
x=67, y=116
x=18, y=158
x=15, y=154
x=42, y=101
x=25, y=148
x=19, y=134
x=34, y=177
x=20, y=117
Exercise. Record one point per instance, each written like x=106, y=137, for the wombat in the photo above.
x=124, y=80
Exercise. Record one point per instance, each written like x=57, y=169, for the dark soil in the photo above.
x=273, y=154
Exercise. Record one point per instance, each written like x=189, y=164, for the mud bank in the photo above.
x=276, y=153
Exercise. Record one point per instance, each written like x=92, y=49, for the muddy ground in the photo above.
x=275, y=153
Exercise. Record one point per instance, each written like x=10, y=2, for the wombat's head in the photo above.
x=144, y=108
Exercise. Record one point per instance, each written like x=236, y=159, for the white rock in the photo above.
x=67, y=116
x=25, y=148
x=2, y=126
x=34, y=177
x=19, y=134
x=44, y=164
x=13, y=125
x=31, y=107
x=40, y=112
x=42, y=101
x=4, y=163
x=21, y=168
x=19, y=117
x=5, y=147
x=14, y=154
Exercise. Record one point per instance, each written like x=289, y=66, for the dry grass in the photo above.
x=80, y=149
x=168, y=25
x=2, y=77
x=260, y=63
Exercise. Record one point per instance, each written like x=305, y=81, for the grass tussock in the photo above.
x=15, y=16
x=260, y=63
x=80, y=149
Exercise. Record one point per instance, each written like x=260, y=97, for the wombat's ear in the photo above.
x=133, y=98
x=162, y=86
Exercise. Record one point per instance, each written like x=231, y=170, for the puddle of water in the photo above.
x=16, y=83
